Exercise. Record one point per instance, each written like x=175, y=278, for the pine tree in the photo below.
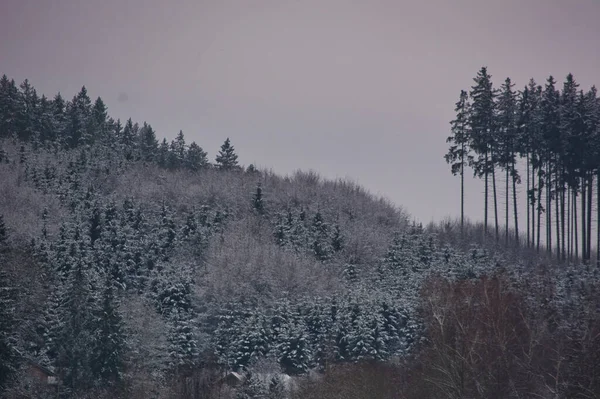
x=3, y=233
x=109, y=339
x=252, y=342
x=46, y=124
x=8, y=352
x=98, y=122
x=552, y=138
x=78, y=115
x=458, y=154
x=195, y=157
x=10, y=107
x=338, y=239
x=27, y=111
x=573, y=139
x=183, y=347
x=293, y=349
x=507, y=142
x=147, y=143
x=163, y=154
x=320, y=239
x=60, y=120
x=257, y=200
x=128, y=140
x=177, y=152
x=227, y=158
x=76, y=335
x=482, y=132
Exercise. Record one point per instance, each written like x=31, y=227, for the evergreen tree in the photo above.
x=507, y=151
x=458, y=154
x=163, y=154
x=148, y=144
x=574, y=142
x=195, y=157
x=109, y=340
x=227, y=158
x=3, y=233
x=253, y=341
x=46, y=124
x=257, y=200
x=8, y=352
x=553, y=150
x=78, y=114
x=178, y=151
x=320, y=239
x=77, y=333
x=10, y=107
x=52, y=323
x=183, y=348
x=60, y=120
x=128, y=140
x=293, y=349
x=482, y=130
x=337, y=241
x=98, y=122
x=27, y=110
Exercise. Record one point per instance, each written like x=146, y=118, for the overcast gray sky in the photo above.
x=357, y=89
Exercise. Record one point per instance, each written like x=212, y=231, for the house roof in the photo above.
x=44, y=369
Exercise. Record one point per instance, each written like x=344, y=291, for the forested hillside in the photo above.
x=139, y=268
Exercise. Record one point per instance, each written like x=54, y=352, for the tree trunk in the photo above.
x=495, y=198
x=528, y=202
x=598, y=217
x=533, y=202
x=575, y=229
x=589, y=217
x=539, y=210
x=549, y=210
x=562, y=214
x=515, y=209
x=583, y=220
x=556, y=208
x=569, y=223
x=485, y=213
x=462, y=191
x=507, y=210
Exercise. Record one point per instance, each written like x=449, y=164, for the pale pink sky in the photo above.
x=358, y=89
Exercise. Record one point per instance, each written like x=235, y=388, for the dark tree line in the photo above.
x=556, y=134
x=80, y=123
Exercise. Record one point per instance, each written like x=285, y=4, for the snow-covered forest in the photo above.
x=136, y=267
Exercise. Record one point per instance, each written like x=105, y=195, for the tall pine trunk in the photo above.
x=590, y=193
x=495, y=198
x=539, y=208
x=549, y=209
x=569, y=225
x=562, y=214
x=486, y=195
x=528, y=202
x=533, y=203
x=462, y=190
x=556, y=208
x=598, y=217
x=583, y=220
x=507, y=210
x=575, y=228
x=515, y=209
